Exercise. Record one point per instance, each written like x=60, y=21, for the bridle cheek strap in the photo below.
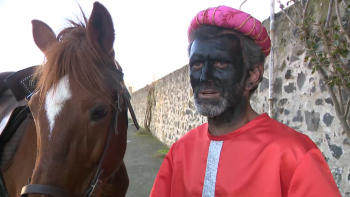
x=131, y=110
x=93, y=186
x=121, y=99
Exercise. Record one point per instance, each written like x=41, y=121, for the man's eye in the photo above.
x=197, y=65
x=221, y=64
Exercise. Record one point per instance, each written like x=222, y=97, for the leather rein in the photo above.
x=122, y=98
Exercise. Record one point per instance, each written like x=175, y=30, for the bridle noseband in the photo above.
x=122, y=98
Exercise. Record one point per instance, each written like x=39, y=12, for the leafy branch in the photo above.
x=326, y=61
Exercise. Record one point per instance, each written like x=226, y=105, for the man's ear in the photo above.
x=255, y=77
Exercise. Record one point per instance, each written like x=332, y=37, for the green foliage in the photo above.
x=319, y=58
x=326, y=47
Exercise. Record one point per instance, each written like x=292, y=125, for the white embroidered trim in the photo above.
x=212, y=168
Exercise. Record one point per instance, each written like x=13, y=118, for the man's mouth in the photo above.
x=209, y=94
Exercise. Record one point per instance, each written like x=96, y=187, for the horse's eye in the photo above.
x=99, y=113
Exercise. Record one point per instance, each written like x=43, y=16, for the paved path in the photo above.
x=142, y=161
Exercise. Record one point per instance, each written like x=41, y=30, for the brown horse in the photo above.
x=79, y=115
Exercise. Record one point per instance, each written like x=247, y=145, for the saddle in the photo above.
x=14, y=87
x=13, y=90
x=3, y=86
x=14, y=113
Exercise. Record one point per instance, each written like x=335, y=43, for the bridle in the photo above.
x=122, y=98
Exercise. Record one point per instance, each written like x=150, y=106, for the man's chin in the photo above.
x=211, y=109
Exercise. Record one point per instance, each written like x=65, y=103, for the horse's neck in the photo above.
x=21, y=169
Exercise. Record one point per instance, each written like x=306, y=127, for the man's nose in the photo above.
x=207, y=74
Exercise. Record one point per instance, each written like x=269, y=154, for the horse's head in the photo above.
x=80, y=106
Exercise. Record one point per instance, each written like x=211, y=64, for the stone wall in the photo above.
x=173, y=113
x=301, y=102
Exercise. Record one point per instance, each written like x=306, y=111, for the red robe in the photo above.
x=264, y=158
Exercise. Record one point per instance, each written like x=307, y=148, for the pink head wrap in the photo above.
x=232, y=19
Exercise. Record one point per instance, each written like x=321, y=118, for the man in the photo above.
x=238, y=152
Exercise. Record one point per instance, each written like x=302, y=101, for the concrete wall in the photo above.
x=301, y=102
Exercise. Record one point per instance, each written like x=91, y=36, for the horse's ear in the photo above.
x=43, y=35
x=100, y=29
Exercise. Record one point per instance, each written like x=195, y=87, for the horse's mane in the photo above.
x=73, y=55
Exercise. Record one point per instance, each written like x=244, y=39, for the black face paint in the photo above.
x=216, y=73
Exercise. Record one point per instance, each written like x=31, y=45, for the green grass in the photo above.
x=143, y=133
x=162, y=152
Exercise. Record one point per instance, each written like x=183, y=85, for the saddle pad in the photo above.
x=8, y=105
x=8, y=149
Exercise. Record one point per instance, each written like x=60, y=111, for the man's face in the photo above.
x=216, y=72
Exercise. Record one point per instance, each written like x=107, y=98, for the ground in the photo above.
x=143, y=157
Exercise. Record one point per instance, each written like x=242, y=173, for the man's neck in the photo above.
x=231, y=119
